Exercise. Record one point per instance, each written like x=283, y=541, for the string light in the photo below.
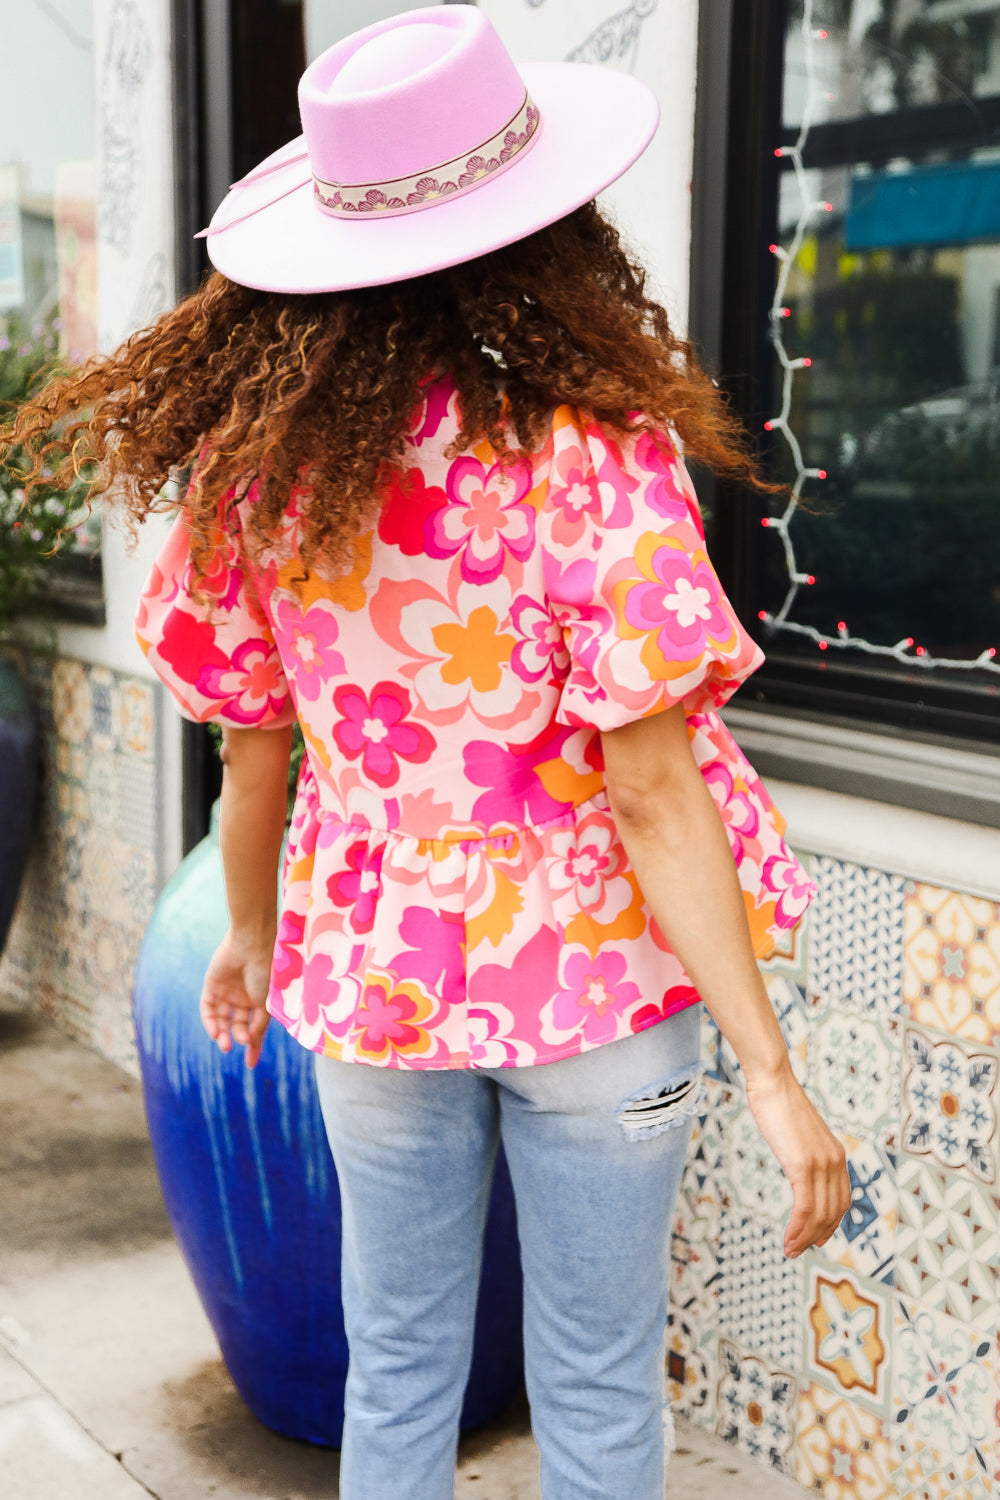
x=779, y=313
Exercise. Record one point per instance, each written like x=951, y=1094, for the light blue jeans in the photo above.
x=596, y=1147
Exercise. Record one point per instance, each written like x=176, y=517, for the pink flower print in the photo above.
x=409, y=501
x=595, y=995
x=541, y=648
x=225, y=584
x=575, y=497
x=493, y=989
x=316, y=982
x=588, y=866
x=485, y=521
x=388, y=1020
x=515, y=792
x=429, y=188
x=435, y=954
x=307, y=640
x=683, y=605
x=476, y=168
x=375, y=202
x=286, y=964
x=249, y=685
x=664, y=491
x=786, y=879
x=376, y=729
x=360, y=884
x=736, y=809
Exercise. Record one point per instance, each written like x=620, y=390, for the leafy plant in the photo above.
x=51, y=521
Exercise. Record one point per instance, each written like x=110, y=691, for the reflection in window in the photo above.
x=894, y=297
x=48, y=243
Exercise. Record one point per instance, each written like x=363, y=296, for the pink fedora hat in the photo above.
x=423, y=146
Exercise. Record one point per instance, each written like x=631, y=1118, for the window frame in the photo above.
x=738, y=122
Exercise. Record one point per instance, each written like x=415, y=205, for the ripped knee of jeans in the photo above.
x=662, y=1106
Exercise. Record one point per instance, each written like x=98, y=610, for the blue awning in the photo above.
x=943, y=205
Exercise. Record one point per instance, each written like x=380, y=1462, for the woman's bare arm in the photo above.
x=680, y=853
x=251, y=829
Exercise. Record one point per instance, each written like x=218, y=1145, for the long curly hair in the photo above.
x=314, y=394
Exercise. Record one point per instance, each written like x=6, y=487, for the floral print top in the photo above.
x=455, y=891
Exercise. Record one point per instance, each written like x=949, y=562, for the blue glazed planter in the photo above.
x=17, y=787
x=252, y=1194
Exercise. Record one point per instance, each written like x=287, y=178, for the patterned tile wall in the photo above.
x=92, y=878
x=869, y=1368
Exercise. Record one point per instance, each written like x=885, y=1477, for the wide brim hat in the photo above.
x=423, y=146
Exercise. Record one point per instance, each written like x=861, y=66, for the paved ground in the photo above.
x=111, y=1386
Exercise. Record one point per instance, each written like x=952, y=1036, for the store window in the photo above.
x=48, y=248
x=859, y=284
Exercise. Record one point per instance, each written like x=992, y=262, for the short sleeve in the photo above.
x=215, y=653
x=643, y=614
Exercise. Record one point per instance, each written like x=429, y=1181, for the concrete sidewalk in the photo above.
x=111, y=1385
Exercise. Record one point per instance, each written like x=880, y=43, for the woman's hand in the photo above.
x=234, y=996
x=808, y=1153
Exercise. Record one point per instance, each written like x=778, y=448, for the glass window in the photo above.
x=48, y=241
x=876, y=382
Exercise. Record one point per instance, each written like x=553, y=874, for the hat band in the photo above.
x=404, y=195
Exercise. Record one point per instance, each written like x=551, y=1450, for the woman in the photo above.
x=436, y=517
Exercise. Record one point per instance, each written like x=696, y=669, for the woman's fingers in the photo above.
x=810, y=1156
x=821, y=1197
x=234, y=998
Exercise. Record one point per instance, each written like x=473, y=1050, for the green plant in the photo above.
x=51, y=521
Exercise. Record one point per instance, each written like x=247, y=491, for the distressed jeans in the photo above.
x=596, y=1147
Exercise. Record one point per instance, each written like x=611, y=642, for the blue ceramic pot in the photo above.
x=17, y=787
x=252, y=1194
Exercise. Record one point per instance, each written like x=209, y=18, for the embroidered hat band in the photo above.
x=460, y=175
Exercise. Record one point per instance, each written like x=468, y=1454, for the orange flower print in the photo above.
x=388, y=1023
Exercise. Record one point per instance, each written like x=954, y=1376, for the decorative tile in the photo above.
x=841, y=1451
x=102, y=682
x=71, y=707
x=854, y=1074
x=943, y=1387
x=951, y=966
x=91, y=881
x=756, y=1407
x=692, y=1366
x=691, y=1349
x=848, y=1324
x=709, y=1044
x=856, y=937
x=921, y=1474
x=133, y=717
x=706, y=1159
x=692, y=1324
x=950, y=1104
x=865, y=1241
x=760, y=1290
x=948, y=1243
x=757, y=1183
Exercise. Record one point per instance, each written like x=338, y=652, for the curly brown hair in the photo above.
x=316, y=392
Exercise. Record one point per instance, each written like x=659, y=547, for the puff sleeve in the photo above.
x=216, y=654
x=643, y=614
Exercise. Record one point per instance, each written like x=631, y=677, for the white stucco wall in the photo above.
x=657, y=41
x=133, y=87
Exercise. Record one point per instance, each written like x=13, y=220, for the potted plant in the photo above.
x=34, y=529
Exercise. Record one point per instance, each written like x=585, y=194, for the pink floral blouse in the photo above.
x=455, y=891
